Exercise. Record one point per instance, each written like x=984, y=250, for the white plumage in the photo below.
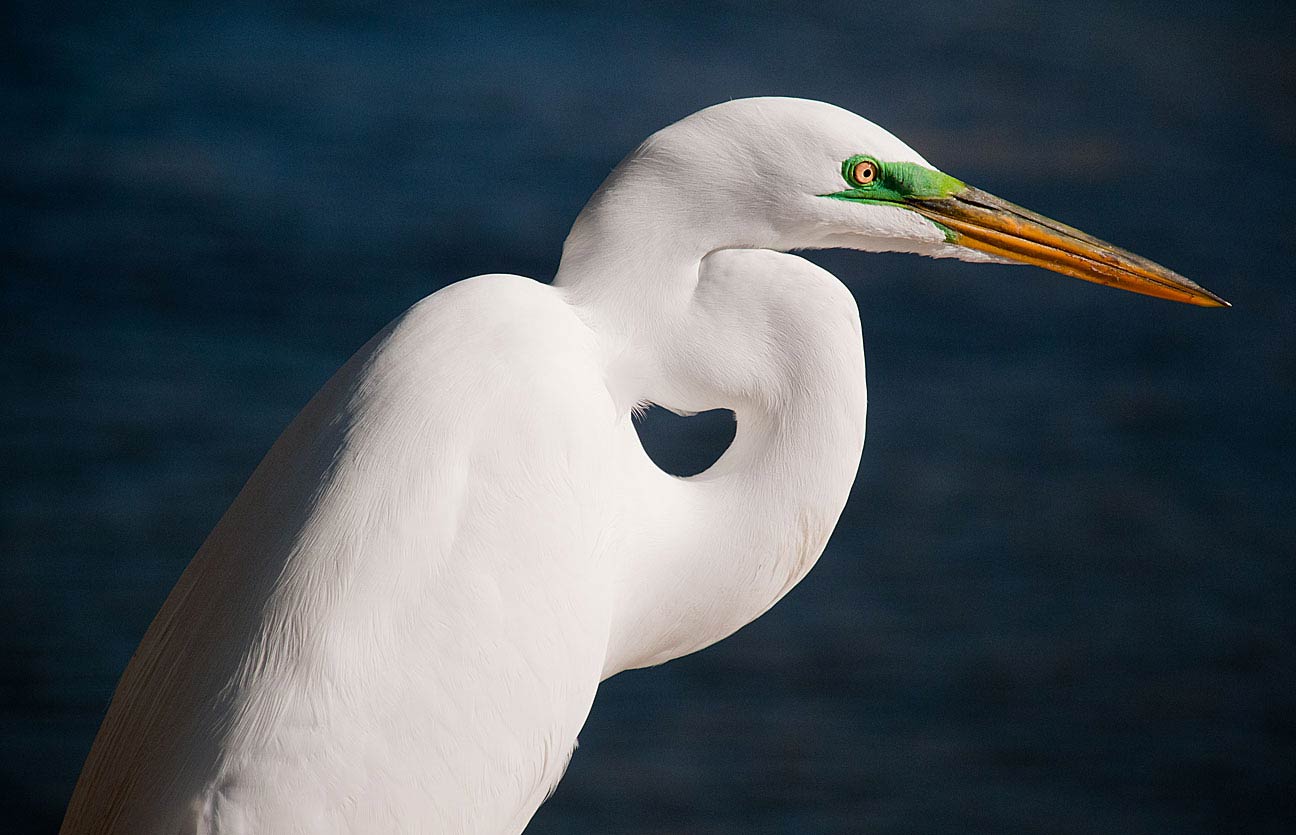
x=401, y=622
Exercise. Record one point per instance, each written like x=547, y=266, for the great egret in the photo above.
x=400, y=623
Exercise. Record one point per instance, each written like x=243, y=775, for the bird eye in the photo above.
x=864, y=172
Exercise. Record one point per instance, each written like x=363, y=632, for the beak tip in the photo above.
x=1209, y=299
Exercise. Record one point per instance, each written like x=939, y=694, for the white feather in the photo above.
x=401, y=622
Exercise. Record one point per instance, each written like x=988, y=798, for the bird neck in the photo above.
x=741, y=535
x=776, y=340
x=694, y=312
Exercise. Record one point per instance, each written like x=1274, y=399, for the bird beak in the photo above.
x=981, y=221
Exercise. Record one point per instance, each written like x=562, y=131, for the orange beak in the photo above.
x=988, y=224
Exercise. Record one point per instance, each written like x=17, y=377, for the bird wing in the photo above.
x=401, y=619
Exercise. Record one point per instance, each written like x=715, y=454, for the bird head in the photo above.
x=785, y=173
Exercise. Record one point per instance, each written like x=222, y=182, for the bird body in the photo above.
x=401, y=622
x=467, y=466
x=312, y=670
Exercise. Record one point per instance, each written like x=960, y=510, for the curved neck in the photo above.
x=694, y=312
x=744, y=532
x=776, y=340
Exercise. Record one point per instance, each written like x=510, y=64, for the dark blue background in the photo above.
x=1061, y=597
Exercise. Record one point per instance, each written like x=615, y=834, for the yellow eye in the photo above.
x=865, y=172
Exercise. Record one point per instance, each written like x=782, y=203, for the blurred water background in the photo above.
x=1061, y=597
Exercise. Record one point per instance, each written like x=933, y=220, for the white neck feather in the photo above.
x=692, y=324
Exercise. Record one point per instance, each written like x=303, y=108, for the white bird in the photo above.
x=400, y=624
